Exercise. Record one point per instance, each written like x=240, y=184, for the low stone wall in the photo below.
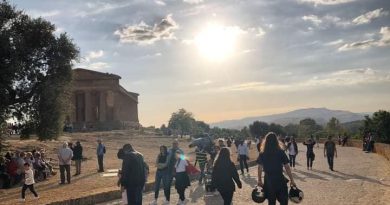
x=379, y=148
x=115, y=194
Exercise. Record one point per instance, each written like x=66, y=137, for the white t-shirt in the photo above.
x=291, y=150
x=243, y=149
x=29, y=177
x=181, y=166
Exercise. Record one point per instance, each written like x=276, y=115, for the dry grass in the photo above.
x=91, y=182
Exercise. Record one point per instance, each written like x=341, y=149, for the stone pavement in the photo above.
x=360, y=178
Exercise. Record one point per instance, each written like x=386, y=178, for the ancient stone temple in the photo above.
x=101, y=103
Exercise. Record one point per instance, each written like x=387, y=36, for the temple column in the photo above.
x=102, y=106
x=88, y=108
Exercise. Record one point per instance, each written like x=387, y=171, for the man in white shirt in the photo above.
x=65, y=155
x=243, y=155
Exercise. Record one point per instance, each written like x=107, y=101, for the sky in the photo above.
x=230, y=59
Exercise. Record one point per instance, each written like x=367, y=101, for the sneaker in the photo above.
x=154, y=202
x=36, y=197
x=180, y=202
x=22, y=200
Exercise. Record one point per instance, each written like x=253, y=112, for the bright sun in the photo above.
x=217, y=42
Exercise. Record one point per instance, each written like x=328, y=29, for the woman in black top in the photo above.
x=224, y=175
x=162, y=174
x=272, y=159
x=310, y=153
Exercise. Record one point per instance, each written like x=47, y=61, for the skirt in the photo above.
x=182, y=180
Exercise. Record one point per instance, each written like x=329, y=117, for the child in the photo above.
x=123, y=190
x=28, y=182
x=182, y=179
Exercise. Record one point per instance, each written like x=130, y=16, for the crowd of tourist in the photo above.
x=12, y=166
x=275, y=153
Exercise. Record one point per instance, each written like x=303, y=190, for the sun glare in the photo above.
x=217, y=42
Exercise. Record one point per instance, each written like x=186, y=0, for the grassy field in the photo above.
x=90, y=182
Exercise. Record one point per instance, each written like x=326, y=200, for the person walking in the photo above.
x=78, y=157
x=181, y=176
x=65, y=157
x=162, y=175
x=272, y=159
x=330, y=152
x=221, y=143
x=100, y=151
x=133, y=174
x=224, y=175
x=309, y=153
x=201, y=159
x=229, y=142
x=243, y=155
x=292, y=149
x=28, y=182
x=171, y=164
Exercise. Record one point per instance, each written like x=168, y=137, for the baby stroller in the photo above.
x=208, y=178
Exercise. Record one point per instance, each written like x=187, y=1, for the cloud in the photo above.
x=369, y=16
x=44, y=14
x=150, y=56
x=99, y=7
x=335, y=43
x=146, y=34
x=97, y=66
x=313, y=18
x=326, y=2
x=159, y=2
x=259, y=32
x=94, y=55
x=325, y=21
x=381, y=42
x=248, y=50
x=193, y=1
x=348, y=77
x=206, y=82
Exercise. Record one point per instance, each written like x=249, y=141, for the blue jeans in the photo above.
x=134, y=195
x=162, y=175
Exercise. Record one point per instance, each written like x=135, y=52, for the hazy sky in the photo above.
x=226, y=59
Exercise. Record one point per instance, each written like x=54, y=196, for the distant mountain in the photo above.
x=320, y=115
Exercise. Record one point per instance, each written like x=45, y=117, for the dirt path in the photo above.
x=359, y=178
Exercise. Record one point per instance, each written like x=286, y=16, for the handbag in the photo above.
x=191, y=169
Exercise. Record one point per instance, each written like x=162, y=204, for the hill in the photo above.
x=320, y=115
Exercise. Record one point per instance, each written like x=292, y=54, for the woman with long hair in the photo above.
x=224, y=175
x=162, y=174
x=272, y=159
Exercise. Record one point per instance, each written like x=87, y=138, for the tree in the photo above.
x=333, y=127
x=35, y=72
x=291, y=129
x=258, y=128
x=276, y=128
x=308, y=127
x=199, y=128
x=379, y=124
x=182, y=121
x=245, y=132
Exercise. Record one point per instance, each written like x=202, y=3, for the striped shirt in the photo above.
x=201, y=157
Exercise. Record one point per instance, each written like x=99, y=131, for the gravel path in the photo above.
x=360, y=178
